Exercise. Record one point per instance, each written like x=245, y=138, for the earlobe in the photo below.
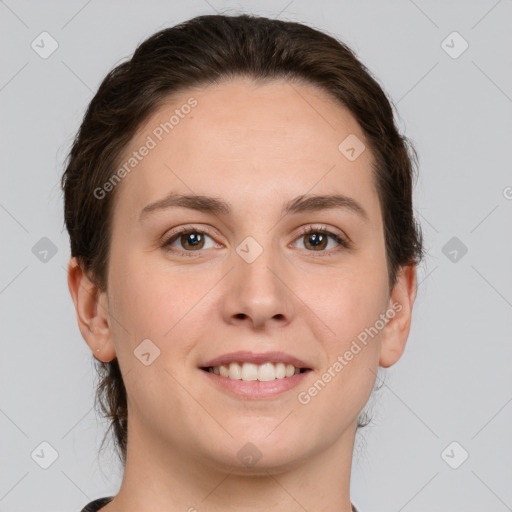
x=396, y=332
x=92, y=312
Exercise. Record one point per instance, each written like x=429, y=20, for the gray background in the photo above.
x=454, y=381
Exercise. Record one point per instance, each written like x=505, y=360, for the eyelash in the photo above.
x=307, y=230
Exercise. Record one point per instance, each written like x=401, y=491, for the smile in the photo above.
x=249, y=375
x=250, y=372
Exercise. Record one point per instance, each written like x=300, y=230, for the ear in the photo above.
x=396, y=332
x=91, y=307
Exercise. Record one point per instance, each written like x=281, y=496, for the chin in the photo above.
x=257, y=451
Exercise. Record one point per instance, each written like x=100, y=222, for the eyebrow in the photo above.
x=300, y=204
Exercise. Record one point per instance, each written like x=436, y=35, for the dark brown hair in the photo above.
x=210, y=49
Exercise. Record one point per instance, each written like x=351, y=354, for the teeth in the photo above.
x=235, y=371
x=266, y=372
x=249, y=371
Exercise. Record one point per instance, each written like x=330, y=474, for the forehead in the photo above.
x=248, y=142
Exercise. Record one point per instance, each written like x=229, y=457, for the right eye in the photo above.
x=190, y=239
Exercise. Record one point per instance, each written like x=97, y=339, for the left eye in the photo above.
x=319, y=238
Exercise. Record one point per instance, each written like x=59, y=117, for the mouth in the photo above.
x=247, y=372
x=255, y=376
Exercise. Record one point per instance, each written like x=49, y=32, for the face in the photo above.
x=203, y=292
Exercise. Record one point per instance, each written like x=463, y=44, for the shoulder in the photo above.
x=95, y=505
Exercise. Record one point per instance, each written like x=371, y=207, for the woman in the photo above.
x=243, y=260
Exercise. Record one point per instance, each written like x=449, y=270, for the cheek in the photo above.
x=351, y=310
x=348, y=303
x=148, y=303
x=152, y=300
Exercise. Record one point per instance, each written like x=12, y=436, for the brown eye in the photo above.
x=192, y=240
x=187, y=240
x=317, y=240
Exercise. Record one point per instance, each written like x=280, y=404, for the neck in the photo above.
x=154, y=480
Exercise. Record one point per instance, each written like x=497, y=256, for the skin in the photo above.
x=256, y=146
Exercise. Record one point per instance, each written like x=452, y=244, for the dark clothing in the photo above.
x=96, y=505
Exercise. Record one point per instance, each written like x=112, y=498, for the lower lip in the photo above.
x=254, y=388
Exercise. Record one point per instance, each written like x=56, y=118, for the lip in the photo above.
x=255, y=389
x=256, y=358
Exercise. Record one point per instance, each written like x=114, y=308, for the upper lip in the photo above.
x=255, y=358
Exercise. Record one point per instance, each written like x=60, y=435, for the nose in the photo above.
x=256, y=292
